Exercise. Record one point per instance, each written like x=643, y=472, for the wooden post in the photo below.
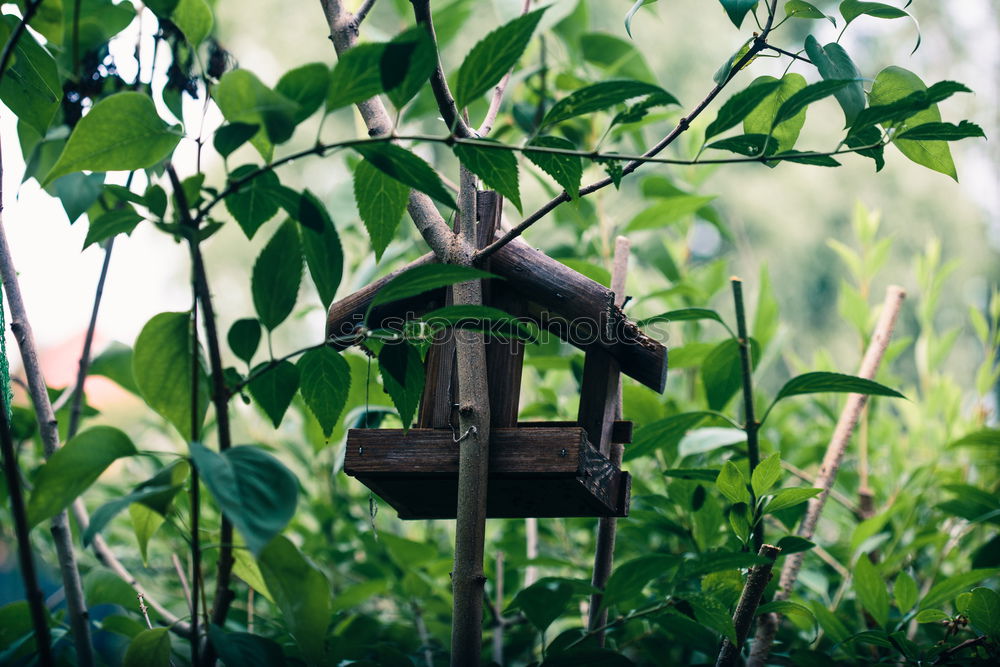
x=607, y=527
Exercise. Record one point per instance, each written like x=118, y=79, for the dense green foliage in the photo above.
x=241, y=430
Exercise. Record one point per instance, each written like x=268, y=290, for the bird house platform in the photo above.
x=540, y=469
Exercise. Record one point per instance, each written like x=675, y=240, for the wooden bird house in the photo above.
x=536, y=469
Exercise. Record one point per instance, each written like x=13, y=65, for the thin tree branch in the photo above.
x=429, y=222
x=794, y=56
x=947, y=654
x=8, y=49
x=362, y=13
x=834, y=493
x=683, y=124
x=26, y=560
x=621, y=620
x=76, y=605
x=439, y=84
x=746, y=608
x=498, y=92
x=768, y=627
x=751, y=425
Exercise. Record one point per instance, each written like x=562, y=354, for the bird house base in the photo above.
x=543, y=469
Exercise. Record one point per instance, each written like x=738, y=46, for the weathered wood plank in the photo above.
x=621, y=431
x=599, y=398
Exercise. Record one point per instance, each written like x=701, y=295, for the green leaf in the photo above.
x=245, y=567
x=302, y=594
x=870, y=589
x=787, y=608
x=682, y=315
x=112, y=223
x=156, y=493
x=721, y=372
x=491, y=58
x=306, y=86
x=822, y=382
x=115, y=363
x=631, y=13
x=987, y=437
x=424, y=278
x=274, y=388
x=407, y=168
x=194, y=19
x=242, y=649
x=718, y=561
x=73, y=468
x=803, y=10
x=793, y=544
x=161, y=366
x=931, y=616
x=48, y=20
x=663, y=434
x=253, y=489
x=712, y=614
x=764, y=119
x=407, y=64
x=803, y=157
x=948, y=589
x=739, y=106
x=381, y=202
x=737, y=9
x=795, y=104
x=31, y=87
x=567, y=170
x=732, y=484
x=851, y=9
x=323, y=252
x=696, y=474
x=122, y=132
x=325, y=380
x=600, y=96
x=77, y=192
x=277, y=274
x=478, y=318
x=786, y=498
x=243, y=98
x=668, y=210
x=834, y=64
x=356, y=77
x=709, y=439
x=942, y=132
x=244, y=337
x=145, y=523
x=497, y=167
x=766, y=474
x=149, y=648
x=545, y=600
x=984, y=612
x=254, y=202
x=751, y=145
x=403, y=377
x=231, y=136
x=904, y=590
x=895, y=83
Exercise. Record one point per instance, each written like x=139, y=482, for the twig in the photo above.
x=768, y=627
x=746, y=608
x=834, y=493
x=144, y=610
x=758, y=45
x=751, y=425
x=607, y=526
x=8, y=49
x=182, y=578
x=794, y=56
x=530, y=550
x=19, y=514
x=76, y=606
x=968, y=643
x=497, y=609
x=362, y=12
x=439, y=83
x=498, y=92
x=620, y=620
x=195, y=488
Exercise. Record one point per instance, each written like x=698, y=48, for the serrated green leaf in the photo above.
x=948, y=589
x=381, y=203
x=243, y=98
x=407, y=64
x=750, y=145
x=545, y=600
x=904, y=590
x=274, y=388
x=156, y=493
x=601, y=96
x=786, y=498
x=567, y=170
x=732, y=484
x=254, y=490
x=822, y=382
x=244, y=337
x=766, y=475
x=356, y=77
x=931, y=616
x=403, y=378
x=149, y=648
x=834, y=64
x=492, y=57
x=73, y=468
x=793, y=544
x=497, y=167
x=307, y=86
x=424, y=278
x=122, y=132
x=942, y=132
x=323, y=252
x=984, y=612
x=255, y=201
x=277, y=274
x=739, y=106
x=112, y=223
x=161, y=366
x=721, y=372
x=871, y=591
x=407, y=168
x=242, y=649
x=325, y=380
x=851, y=9
x=682, y=315
x=31, y=87
x=764, y=119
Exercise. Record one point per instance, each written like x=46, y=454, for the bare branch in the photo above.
x=498, y=92
x=362, y=12
x=746, y=608
x=439, y=84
